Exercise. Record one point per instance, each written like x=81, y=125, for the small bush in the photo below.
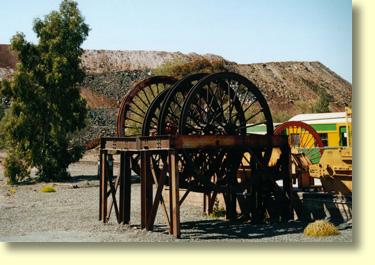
x=217, y=211
x=321, y=228
x=47, y=189
x=322, y=103
x=12, y=190
x=179, y=68
x=15, y=169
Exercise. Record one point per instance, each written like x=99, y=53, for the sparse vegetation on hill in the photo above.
x=179, y=68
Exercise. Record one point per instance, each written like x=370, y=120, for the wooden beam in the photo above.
x=127, y=186
x=143, y=190
x=175, y=201
x=179, y=142
x=158, y=199
x=100, y=185
x=104, y=186
x=227, y=141
x=146, y=188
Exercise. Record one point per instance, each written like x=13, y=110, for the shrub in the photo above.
x=322, y=104
x=218, y=210
x=15, y=169
x=321, y=228
x=179, y=68
x=47, y=189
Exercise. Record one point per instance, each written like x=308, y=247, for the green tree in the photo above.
x=45, y=103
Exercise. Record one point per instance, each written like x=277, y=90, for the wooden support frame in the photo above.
x=170, y=146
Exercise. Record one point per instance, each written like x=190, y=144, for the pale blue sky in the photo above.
x=242, y=31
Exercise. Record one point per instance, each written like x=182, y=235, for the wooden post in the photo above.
x=100, y=184
x=157, y=200
x=125, y=187
x=143, y=190
x=205, y=203
x=287, y=180
x=104, y=185
x=175, y=200
x=146, y=188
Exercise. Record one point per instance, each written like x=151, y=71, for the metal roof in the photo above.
x=321, y=118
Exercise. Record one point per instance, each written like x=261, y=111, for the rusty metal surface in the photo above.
x=185, y=142
x=207, y=117
x=304, y=130
x=142, y=92
x=172, y=107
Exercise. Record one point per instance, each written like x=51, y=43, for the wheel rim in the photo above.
x=220, y=104
x=303, y=138
x=134, y=105
x=239, y=101
x=172, y=106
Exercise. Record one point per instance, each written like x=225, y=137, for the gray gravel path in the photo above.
x=71, y=215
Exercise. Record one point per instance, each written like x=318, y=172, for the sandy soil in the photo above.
x=71, y=215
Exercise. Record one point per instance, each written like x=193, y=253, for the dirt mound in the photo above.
x=7, y=57
x=289, y=85
x=101, y=61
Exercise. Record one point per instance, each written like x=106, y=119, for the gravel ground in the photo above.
x=71, y=215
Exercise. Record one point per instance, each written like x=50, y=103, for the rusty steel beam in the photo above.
x=185, y=142
x=125, y=187
x=227, y=141
x=174, y=199
x=146, y=189
x=103, y=186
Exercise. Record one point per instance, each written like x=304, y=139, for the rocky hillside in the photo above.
x=102, y=61
x=293, y=86
x=289, y=87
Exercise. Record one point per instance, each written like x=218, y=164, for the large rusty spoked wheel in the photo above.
x=221, y=104
x=152, y=117
x=150, y=128
x=302, y=138
x=134, y=106
x=172, y=106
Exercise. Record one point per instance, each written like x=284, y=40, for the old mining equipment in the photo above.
x=191, y=136
x=306, y=150
x=335, y=166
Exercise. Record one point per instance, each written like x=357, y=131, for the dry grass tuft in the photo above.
x=12, y=190
x=47, y=189
x=321, y=228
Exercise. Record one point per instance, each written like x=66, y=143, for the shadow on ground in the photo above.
x=221, y=229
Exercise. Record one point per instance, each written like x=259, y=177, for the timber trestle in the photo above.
x=164, y=161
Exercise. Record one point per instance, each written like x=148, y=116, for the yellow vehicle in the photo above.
x=332, y=127
x=335, y=166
